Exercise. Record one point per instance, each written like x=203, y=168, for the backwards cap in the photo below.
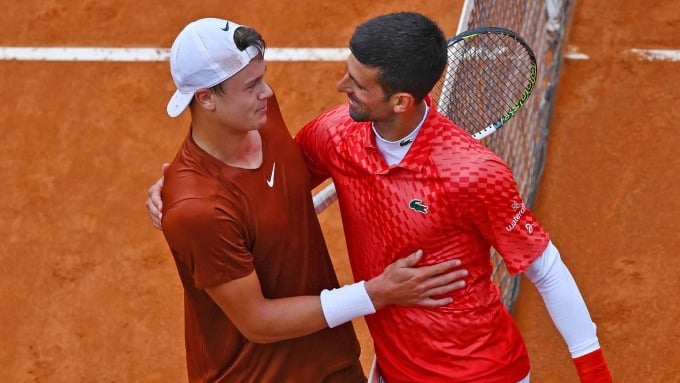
x=203, y=55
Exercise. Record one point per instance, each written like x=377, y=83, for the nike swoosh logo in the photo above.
x=405, y=142
x=270, y=181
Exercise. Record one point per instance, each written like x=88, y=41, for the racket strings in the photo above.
x=486, y=76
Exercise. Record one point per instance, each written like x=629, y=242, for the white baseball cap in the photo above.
x=203, y=55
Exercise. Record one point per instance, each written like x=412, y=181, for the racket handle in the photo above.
x=325, y=198
x=485, y=132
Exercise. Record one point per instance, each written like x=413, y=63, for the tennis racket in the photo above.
x=490, y=75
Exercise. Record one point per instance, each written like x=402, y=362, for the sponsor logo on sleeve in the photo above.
x=519, y=209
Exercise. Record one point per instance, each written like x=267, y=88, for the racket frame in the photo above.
x=526, y=92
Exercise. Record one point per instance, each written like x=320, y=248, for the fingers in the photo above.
x=404, y=283
x=155, y=194
x=154, y=204
x=437, y=276
x=446, y=288
x=444, y=283
x=154, y=213
x=439, y=268
x=411, y=260
x=431, y=302
x=438, y=280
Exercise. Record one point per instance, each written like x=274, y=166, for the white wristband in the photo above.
x=345, y=303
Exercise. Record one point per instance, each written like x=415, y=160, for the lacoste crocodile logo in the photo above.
x=417, y=205
x=405, y=142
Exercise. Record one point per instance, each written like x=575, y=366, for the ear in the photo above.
x=204, y=98
x=402, y=102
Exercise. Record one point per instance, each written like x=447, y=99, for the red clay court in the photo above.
x=89, y=289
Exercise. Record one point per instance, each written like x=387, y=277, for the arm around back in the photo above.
x=263, y=320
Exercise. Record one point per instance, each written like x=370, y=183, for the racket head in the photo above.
x=490, y=74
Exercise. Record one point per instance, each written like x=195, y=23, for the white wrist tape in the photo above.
x=345, y=303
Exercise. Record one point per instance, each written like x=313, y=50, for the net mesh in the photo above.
x=522, y=142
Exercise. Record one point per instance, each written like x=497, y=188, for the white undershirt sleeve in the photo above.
x=564, y=302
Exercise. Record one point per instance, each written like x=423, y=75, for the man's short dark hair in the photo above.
x=408, y=49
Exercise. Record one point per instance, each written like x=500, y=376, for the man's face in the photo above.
x=367, y=100
x=243, y=103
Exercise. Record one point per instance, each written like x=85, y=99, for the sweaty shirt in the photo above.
x=453, y=198
x=223, y=222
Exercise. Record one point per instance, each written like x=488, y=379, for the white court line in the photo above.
x=154, y=54
x=576, y=56
x=672, y=55
x=271, y=54
x=657, y=54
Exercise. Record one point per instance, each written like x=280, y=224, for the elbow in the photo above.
x=261, y=339
x=260, y=333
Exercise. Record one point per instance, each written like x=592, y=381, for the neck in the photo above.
x=236, y=148
x=402, y=124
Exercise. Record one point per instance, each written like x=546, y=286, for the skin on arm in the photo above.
x=263, y=320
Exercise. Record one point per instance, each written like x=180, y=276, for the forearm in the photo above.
x=265, y=320
x=564, y=302
x=285, y=318
x=570, y=315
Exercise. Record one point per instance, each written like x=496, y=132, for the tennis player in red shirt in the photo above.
x=408, y=178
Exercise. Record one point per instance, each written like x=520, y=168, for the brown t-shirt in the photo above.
x=223, y=222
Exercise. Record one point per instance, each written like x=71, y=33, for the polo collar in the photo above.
x=417, y=155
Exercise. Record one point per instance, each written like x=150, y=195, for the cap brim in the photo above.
x=178, y=102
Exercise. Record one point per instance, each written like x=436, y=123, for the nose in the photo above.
x=266, y=92
x=342, y=84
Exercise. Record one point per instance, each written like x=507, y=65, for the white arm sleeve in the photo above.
x=564, y=302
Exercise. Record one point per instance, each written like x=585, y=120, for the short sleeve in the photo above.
x=208, y=241
x=503, y=218
x=315, y=141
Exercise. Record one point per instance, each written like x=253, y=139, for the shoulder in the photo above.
x=327, y=128
x=462, y=159
x=195, y=190
x=188, y=221
x=182, y=183
x=330, y=120
x=335, y=114
x=453, y=145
